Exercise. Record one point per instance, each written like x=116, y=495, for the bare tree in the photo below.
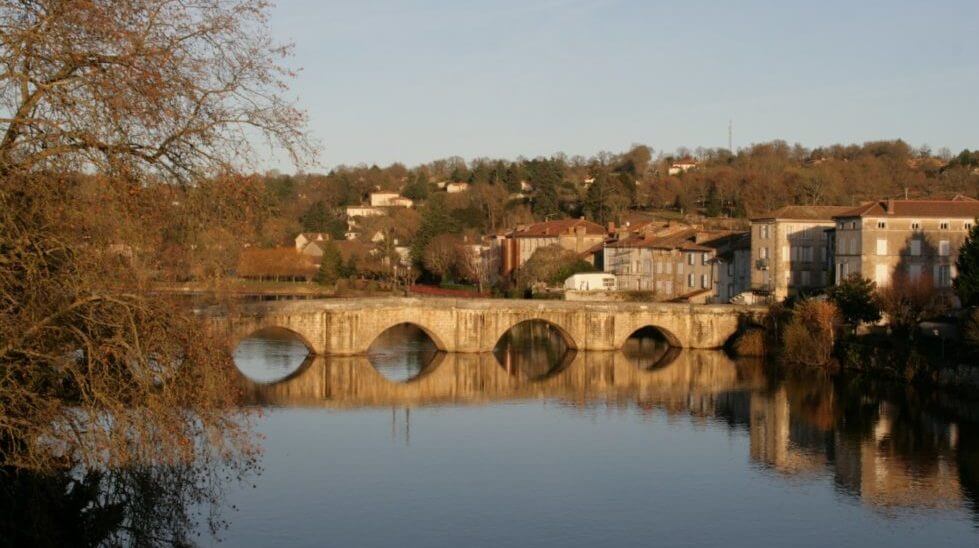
x=472, y=264
x=441, y=255
x=123, y=95
x=135, y=84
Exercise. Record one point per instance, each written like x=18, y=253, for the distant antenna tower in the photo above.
x=730, y=135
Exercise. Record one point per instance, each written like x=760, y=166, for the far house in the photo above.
x=576, y=235
x=682, y=166
x=453, y=188
x=916, y=238
x=390, y=199
x=790, y=254
x=311, y=243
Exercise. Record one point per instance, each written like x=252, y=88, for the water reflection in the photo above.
x=402, y=352
x=270, y=354
x=533, y=349
x=890, y=449
x=648, y=348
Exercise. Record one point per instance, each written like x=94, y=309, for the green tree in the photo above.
x=436, y=219
x=319, y=218
x=712, y=205
x=967, y=281
x=854, y=296
x=331, y=265
x=417, y=187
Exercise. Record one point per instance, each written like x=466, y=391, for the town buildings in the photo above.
x=518, y=245
x=914, y=238
x=790, y=253
x=675, y=261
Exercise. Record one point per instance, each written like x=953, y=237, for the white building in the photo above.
x=591, y=281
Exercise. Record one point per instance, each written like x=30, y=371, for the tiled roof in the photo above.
x=555, y=228
x=805, y=213
x=278, y=261
x=684, y=240
x=960, y=207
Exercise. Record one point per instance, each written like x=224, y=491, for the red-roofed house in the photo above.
x=913, y=237
x=576, y=235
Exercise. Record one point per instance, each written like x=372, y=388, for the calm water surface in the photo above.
x=536, y=445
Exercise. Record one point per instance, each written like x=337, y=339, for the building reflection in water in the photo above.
x=889, y=449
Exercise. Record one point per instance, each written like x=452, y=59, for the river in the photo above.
x=536, y=445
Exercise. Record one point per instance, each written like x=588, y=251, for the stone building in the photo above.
x=916, y=238
x=673, y=261
x=789, y=251
x=518, y=245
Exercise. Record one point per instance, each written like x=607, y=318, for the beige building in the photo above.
x=912, y=237
x=390, y=199
x=790, y=252
x=576, y=235
x=673, y=261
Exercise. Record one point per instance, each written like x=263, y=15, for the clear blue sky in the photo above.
x=413, y=81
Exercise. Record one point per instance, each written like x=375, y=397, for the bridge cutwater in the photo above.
x=347, y=327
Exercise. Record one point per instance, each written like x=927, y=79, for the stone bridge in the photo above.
x=349, y=326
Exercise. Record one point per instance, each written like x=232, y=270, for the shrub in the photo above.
x=750, y=343
x=811, y=334
x=854, y=297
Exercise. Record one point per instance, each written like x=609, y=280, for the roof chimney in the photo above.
x=890, y=206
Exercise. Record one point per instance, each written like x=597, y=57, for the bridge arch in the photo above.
x=670, y=337
x=507, y=328
x=272, y=328
x=438, y=340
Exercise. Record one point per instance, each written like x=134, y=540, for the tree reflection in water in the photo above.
x=126, y=506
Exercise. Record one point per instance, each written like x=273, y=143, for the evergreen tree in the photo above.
x=967, y=281
x=331, y=265
x=712, y=205
x=854, y=297
x=319, y=218
x=417, y=187
x=436, y=220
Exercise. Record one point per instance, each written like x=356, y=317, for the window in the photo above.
x=691, y=280
x=944, y=275
x=881, y=274
x=807, y=254
x=679, y=267
x=915, y=247
x=730, y=269
x=806, y=278
x=944, y=248
x=669, y=268
x=763, y=231
x=690, y=258
x=943, y=225
x=608, y=282
x=914, y=272
x=881, y=224
x=704, y=281
x=763, y=253
x=881, y=246
x=794, y=255
x=704, y=258
x=915, y=225
x=967, y=225
x=853, y=246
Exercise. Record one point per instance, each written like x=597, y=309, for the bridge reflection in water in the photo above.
x=881, y=446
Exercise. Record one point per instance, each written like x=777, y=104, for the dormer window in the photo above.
x=943, y=225
x=881, y=224
x=915, y=225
